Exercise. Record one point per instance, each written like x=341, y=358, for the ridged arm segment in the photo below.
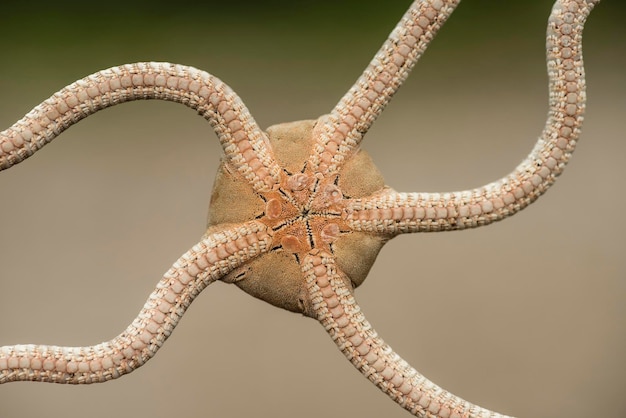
x=245, y=144
x=393, y=212
x=208, y=261
x=364, y=102
x=332, y=303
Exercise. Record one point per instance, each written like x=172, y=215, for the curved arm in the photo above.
x=392, y=212
x=244, y=143
x=363, y=103
x=207, y=261
x=332, y=303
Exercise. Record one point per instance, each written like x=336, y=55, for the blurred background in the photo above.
x=526, y=317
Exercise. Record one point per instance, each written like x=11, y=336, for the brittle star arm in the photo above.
x=332, y=303
x=244, y=143
x=363, y=103
x=209, y=260
x=393, y=212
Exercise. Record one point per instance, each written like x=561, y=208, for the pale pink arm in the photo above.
x=244, y=143
x=332, y=303
x=363, y=103
x=209, y=260
x=393, y=212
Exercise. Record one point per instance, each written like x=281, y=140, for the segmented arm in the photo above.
x=209, y=260
x=244, y=143
x=393, y=212
x=360, y=106
x=334, y=306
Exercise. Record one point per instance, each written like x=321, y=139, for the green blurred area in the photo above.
x=141, y=30
x=295, y=47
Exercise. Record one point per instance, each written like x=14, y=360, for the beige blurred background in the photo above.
x=526, y=317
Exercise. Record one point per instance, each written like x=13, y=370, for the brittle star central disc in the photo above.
x=305, y=211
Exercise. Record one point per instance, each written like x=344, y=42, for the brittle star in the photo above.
x=299, y=213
